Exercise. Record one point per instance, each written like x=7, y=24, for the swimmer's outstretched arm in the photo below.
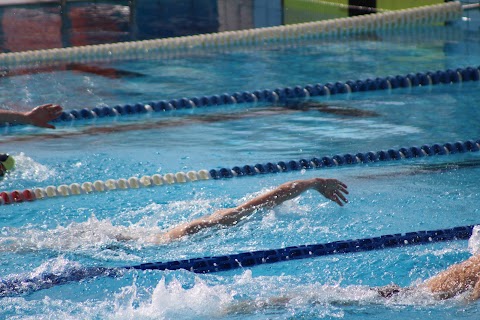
x=38, y=116
x=330, y=188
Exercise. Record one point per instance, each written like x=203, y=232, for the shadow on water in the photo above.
x=283, y=109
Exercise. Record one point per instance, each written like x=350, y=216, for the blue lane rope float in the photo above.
x=99, y=186
x=391, y=20
x=23, y=284
x=281, y=95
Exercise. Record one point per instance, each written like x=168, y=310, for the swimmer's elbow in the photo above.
x=157, y=239
x=125, y=237
x=191, y=228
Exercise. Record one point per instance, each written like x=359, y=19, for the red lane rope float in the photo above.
x=17, y=196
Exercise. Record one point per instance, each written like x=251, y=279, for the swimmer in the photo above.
x=463, y=277
x=294, y=106
x=330, y=188
x=39, y=116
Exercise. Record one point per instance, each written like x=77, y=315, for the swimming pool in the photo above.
x=427, y=193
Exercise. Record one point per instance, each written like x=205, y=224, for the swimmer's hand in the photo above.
x=332, y=189
x=41, y=115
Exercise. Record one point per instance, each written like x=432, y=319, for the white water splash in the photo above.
x=249, y=295
x=169, y=301
x=474, y=241
x=218, y=297
x=95, y=236
x=28, y=169
x=85, y=236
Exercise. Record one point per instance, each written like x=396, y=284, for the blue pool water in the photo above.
x=59, y=234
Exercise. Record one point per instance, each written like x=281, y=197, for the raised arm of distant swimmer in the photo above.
x=330, y=188
x=39, y=116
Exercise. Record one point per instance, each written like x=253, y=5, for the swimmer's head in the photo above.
x=6, y=163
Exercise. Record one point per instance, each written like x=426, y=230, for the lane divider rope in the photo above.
x=410, y=80
x=250, y=259
x=432, y=14
x=99, y=186
x=21, y=284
